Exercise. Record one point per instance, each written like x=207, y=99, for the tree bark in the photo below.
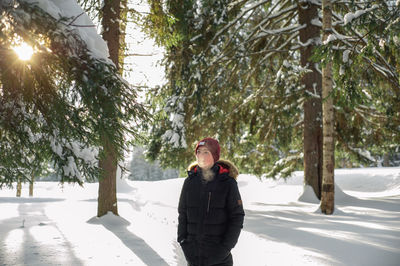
x=328, y=184
x=386, y=159
x=107, y=198
x=19, y=187
x=31, y=185
x=312, y=135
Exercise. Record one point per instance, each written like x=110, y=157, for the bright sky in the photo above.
x=144, y=64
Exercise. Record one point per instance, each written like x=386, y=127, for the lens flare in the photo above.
x=24, y=51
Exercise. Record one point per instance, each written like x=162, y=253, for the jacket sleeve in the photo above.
x=182, y=217
x=236, y=216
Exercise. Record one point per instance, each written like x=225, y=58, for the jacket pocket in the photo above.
x=217, y=253
x=189, y=250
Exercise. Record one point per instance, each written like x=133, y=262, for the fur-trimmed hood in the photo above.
x=225, y=166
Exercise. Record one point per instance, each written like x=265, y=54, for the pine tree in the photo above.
x=60, y=105
x=365, y=69
x=221, y=61
x=233, y=74
x=107, y=200
x=312, y=125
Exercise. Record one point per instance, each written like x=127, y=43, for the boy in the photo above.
x=210, y=208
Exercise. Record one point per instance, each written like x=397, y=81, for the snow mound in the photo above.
x=369, y=179
x=336, y=211
x=308, y=195
x=341, y=197
x=109, y=219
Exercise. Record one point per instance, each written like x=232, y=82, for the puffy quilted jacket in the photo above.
x=210, y=215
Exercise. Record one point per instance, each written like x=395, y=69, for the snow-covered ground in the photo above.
x=283, y=224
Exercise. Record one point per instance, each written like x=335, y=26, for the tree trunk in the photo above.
x=123, y=18
x=386, y=159
x=31, y=186
x=328, y=184
x=312, y=135
x=107, y=200
x=19, y=187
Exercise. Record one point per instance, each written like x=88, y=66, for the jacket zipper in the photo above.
x=209, y=199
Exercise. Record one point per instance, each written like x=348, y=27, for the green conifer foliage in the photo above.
x=55, y=106
x=234, y=73
x=366, y=74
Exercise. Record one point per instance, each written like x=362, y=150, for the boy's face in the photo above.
x=204, y=158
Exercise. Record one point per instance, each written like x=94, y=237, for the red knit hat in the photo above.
x=212, y=145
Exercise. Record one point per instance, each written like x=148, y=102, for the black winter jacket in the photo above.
x=210, y=215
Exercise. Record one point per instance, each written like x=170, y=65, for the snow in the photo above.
x=382, y=43
x=89, y=155
x=56, y=147
x=283, y=223
x=349, y=17
x=80, y=21
x=175, y=136
x=331, y=38
x=346, y=54
x=70, y=169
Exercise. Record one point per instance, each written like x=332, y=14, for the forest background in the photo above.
x=249, y=73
